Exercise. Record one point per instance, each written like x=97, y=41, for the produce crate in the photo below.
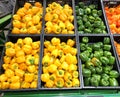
x=19, y=4
x=82, y=11
x=62, y=39
x=92, y=40
x=62, y=3
x=13, y=39
x=111, y=4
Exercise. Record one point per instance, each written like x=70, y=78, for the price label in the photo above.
x=95, y=96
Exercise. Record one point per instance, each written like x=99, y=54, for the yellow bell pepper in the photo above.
x=15, y=85
x=53, y=77
x=70, y=42
x=33, y=84
x=29, y=24
x=55, y=41
x=51, y=48
x=61, y=25
x=13, y=60
x=54, y=5
x=62, y=59
x=36, y=45
x=68, y=83
x=23, y=30
x=17, y=47
x=6, y=66
x=9, y=73
x=52, y=68
x=37, y=61
x=20, y=42
x=25, y=85
x=49, y=84
x=30, y=60
x=9, y=45
x=45, y=60
x=5, y=85
x=20, y=53
x=16, y=17
x=3, y=78
x=56, y=29
x=19, y=72
x=72, y=67
x=57, y=62
x=60, y=73
x=15, y=30
x=59, y=82
x=27, y=5
x=15, y=79
x=64, y=31
x=32, y=30
x=20, y=59
x=71, y=32
x=27, y=18
x=14, y=66
x=31, y=68
x=54, y=53
x=23, y=66
x=75, y=82
x=54, y=17
x=7, y=59
x=70, y=59
x=45, y=77
x=36, y=19
x=49, y=24
x=27, y=40
x=64, y=66
x=29, y=77
x=69, y=26
x=71, y=18
x=16, y=24
x=45, y=69
x=48, y=30
x=73, y=52
x=67, y=76
x=27, y=49
x=75, y=74
x=10, y=52
x=63, y=16
x=48, y=16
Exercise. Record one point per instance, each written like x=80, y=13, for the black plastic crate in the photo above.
x=20, y=4
x=62, y=39
x=99, y=5
x=95, y=39
x=62, y=3
x=13, y=39
x=6, y=7
x=110, y=4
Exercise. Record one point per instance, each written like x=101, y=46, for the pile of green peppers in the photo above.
x=97, y=63
x=88, y=19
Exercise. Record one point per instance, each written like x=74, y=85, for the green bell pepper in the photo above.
x=97, y=76
x=114, y=74
x=113, y=82
x=91, y=55
x=107, y=69
x=96, y=61
x=104, y=82
x=85, y=39
x=87, y=81
x=107, y=47
x=85, y=18
x=86, y=30
x=99, y=69
x=88, y=24
x=99, y=12
x=111, y=60
x=80, y=32
x=107, y=54
x=82, y=46
x=92, y=6
x=104, y=60
x=91, y=19
x=80, y=22
x=86, y=72
x=87, y=10
x=106, y=40
x=81, y=4
x=97, y=30
x=79, y=18
x=80, y=12
x=89, y=49
x=83, y=66
x=81, y=28
x=84, y=57
x=97, y=23
x=105, y=76
x=96, y=46
x=88, y=64
x=97, y=54
x=93, y=70
x=76, y=7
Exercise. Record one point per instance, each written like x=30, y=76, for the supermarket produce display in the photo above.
x=60, y=45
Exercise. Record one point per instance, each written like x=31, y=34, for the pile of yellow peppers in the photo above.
x=59, y=19
x=28, y=19
x=20, y=64
x=59, y=64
